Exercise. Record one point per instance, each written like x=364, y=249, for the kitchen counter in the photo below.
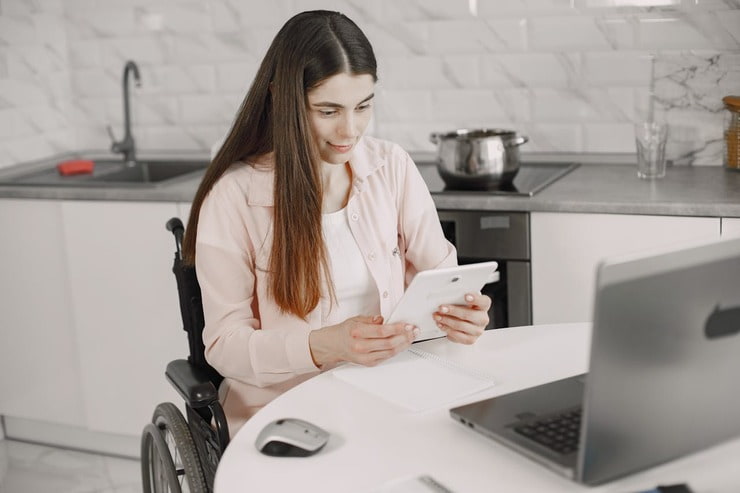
x=592, y=187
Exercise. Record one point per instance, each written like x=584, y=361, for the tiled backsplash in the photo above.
x=571, y=74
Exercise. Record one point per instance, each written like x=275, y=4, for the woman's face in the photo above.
x=339, y=110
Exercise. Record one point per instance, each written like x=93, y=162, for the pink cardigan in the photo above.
x=261, y=351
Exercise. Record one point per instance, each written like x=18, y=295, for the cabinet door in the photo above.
x=567, y=248
x=731, y=226
x=39, y=369
x=125, y=308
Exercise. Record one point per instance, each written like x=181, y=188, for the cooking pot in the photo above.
x=478, y=159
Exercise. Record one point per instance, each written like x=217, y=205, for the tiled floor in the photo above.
x=30, y=468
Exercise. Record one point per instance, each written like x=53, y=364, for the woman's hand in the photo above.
x=464, y=323
x=363, y=340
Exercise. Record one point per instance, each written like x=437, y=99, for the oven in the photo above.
x=481, y=235
x=504, y=237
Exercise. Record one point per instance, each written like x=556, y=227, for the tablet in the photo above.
x=431, y=288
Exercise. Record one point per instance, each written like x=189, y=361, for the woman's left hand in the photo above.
x=464, y=323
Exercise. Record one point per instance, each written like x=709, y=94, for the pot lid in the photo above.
x=476, y=133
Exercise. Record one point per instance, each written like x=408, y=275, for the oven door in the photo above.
x=502, y=236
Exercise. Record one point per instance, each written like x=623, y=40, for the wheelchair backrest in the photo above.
x=191, y=304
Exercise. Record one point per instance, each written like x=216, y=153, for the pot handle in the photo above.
x=434, y=137
x=517, y=141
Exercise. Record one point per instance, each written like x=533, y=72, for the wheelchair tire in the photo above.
x=169, y=459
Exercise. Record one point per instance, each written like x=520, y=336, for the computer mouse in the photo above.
x=291, y=437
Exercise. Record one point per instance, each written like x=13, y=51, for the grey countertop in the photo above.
x=601, y=184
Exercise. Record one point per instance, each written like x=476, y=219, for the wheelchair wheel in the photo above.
x=169, y=459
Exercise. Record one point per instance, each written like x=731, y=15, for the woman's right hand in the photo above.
x=362, y=340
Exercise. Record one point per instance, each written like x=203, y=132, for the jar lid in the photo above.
x=732, y=103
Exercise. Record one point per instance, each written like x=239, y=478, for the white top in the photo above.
x=355, y=289
x=374, y=443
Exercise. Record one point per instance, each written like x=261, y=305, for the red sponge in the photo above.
x=76, y=167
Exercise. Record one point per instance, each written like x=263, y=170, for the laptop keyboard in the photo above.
x=558, y=432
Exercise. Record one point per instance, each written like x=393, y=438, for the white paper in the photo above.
x=416, y=380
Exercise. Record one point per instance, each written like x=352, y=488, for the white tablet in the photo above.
x=431, y=288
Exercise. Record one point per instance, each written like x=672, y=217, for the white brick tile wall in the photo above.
x=572, y=74
x=564, y=33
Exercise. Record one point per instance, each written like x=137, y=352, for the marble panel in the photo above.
x=399, y=39
x=17, y=30
x=620, y=68
x=190, y=16
x=414, y=135
x=465, y=105
x=51, y=32
x=27, y=7
x=579, y=33
x=43, y=118
x=556, y=137
x=235, y=15
x=30, y=61
x=583, y=105
x=96, y=82
x=102, y=21
x=180, y=79
x=671, y=32
x=14, y=92
x=246, y=46
x=429, y=72
x=182, y=137
x=552, y=70
x=511, y=34
x=516, y=104
x=235, y=77
x=143, y=49
x=403, y=106
x=84, y=54
x=33, y=147
x=497, y=8
x=474, y=36
x=362, y=12
x=202, y=109
x=418, y=10
x=608, y=137
x=151, y=110
x=730, y=22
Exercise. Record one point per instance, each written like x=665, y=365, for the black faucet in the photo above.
x=127, y=146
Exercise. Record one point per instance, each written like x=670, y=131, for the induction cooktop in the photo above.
x=531, y=178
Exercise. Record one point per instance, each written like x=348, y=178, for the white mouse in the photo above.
x=291, y=437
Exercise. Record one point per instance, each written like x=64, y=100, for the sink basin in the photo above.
x=114, y=173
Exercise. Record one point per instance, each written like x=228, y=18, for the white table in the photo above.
x=374, y=442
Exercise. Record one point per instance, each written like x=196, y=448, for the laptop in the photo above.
x=663, y=373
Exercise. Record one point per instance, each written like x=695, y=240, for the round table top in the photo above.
x=374, y=443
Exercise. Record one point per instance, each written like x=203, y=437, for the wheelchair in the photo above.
x=180, y=453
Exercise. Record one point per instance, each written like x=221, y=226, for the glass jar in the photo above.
x=732, y=132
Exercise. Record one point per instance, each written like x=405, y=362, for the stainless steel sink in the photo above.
x=114, y=173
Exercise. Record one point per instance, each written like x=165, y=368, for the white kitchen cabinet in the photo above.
x=39, y=368
x=731, y=226
x=567, y=248
x=125, y=308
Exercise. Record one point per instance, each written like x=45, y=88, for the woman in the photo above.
x=303, y=232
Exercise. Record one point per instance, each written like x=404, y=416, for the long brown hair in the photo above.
x=311, y=47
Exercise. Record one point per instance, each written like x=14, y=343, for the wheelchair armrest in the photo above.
x=192, y=383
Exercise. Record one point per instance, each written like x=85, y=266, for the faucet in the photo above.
x=126, y=146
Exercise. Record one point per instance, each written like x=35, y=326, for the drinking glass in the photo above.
x=650, y=139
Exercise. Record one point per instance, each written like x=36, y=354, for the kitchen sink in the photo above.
x=114, y=173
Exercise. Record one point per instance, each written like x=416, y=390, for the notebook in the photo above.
x=663, y=373
x=416, y=380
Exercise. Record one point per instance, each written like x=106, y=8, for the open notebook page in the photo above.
x=416, y=380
